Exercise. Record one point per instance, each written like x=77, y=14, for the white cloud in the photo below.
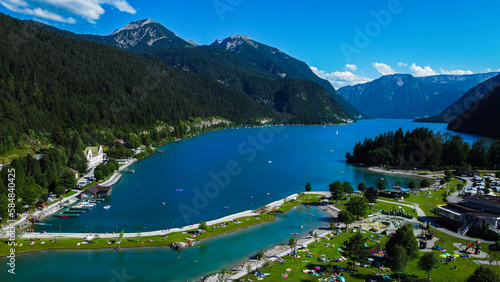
x=61, y=11
x=402, y=64
x=383, y=68
x=457, y=72
x=37, y=12
x=351, y=67
x=419, y=71
x=123, y=6
x=341, y=78
x=492, y=70
x=427, y=71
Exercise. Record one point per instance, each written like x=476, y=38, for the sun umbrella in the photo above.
x=442, y=255
x=318, y=268
x=456, y=255
x=370, y=259
x=447, y=254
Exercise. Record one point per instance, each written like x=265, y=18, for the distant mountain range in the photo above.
x=406, y=96
x=475, y=112
x=462, y=104
x=244, y=64
x=481, y=117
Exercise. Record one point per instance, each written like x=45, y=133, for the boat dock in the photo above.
x=79, y=207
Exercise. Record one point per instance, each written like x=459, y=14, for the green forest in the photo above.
x=51, y=84
x=423, y=149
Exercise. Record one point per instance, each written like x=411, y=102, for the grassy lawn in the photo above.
x=388, y=206
x=297, y=264
x=445, y=272
x=428, y=200
x=301, y=199
x=465, y=266
x=71, y=243
x=70, y=193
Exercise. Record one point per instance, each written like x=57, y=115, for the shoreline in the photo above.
x=55, y=208
x=145, y=235
x=402, y=172
x=77, y=235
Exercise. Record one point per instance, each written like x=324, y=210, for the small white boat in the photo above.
x=106, y=207
x=269, y=161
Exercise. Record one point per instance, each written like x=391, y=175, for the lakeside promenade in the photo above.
x=275, y=204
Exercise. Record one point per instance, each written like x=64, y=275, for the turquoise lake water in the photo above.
x=162, y=263
x=246, y=162
x=227, y=168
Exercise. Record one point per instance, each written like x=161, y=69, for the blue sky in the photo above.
x=346, y=42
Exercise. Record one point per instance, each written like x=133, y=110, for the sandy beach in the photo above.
x=403, y=172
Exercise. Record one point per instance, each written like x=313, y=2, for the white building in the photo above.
x=94, y=155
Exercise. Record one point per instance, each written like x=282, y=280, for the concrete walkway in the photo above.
x=231, y=217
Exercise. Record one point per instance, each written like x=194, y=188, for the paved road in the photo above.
x=46, y=211
x=431, y=221
x=454, y=198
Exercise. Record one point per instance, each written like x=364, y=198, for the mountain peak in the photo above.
x=135, y=25
x=231, y=42
x=143, y=34
x=240, y=36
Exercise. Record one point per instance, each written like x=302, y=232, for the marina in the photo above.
x=79, y=208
